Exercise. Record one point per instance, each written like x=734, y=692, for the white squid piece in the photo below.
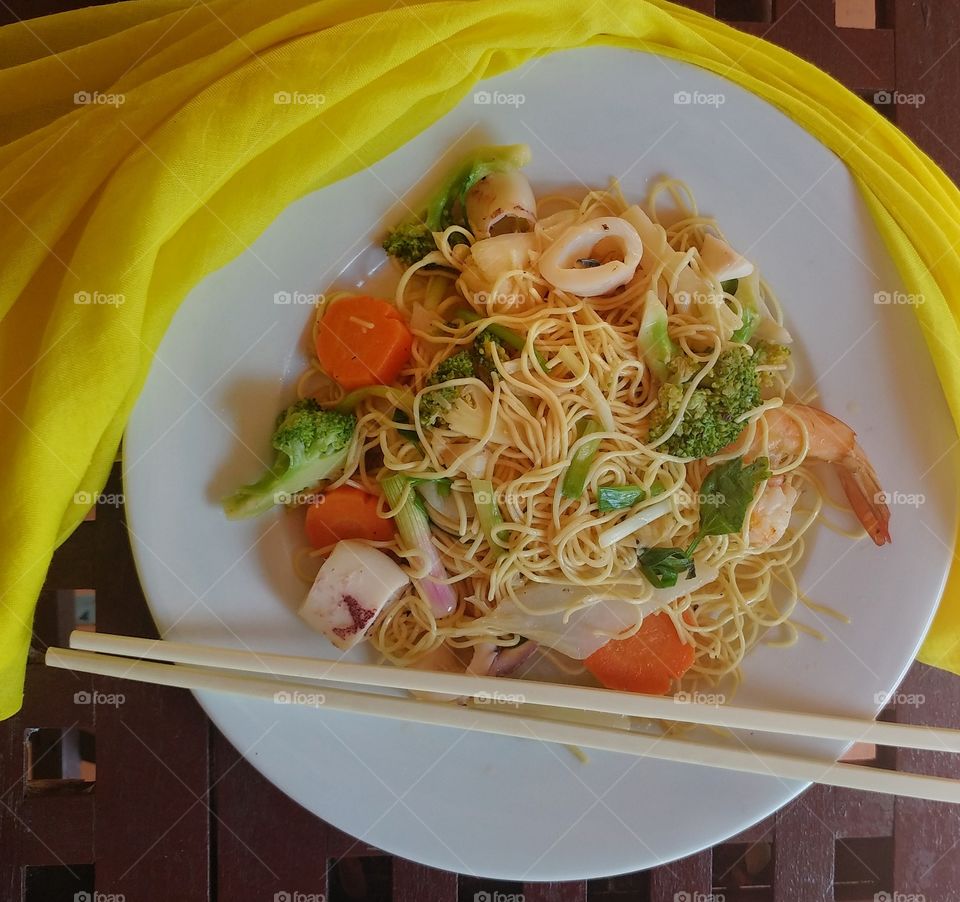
x=353, y=586
x=606, y=236
x=601, y=612
x=501, y=202
x=722, y=260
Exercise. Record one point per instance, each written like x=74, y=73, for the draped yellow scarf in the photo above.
x=141, y=149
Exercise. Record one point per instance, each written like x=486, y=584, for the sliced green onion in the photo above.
x=626, y=527
x=488, y=512
x=618, y=497
x=413, y=524
x=575, y=479
x=653, y=339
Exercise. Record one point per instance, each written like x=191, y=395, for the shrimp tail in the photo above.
x=862, y=488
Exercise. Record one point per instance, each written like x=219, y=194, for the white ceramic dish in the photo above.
x=498, y=806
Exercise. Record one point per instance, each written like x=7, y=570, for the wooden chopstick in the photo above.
x=519, y=725
x=583, y=698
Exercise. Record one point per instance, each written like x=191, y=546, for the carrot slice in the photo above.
x=346, y=513
x=647, y=662
x=363, y=341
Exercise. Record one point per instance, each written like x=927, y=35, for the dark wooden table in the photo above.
x=143, y=798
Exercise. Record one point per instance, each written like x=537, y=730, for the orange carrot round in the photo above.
x=647, y=662
x=363, y=341
x=346, y=513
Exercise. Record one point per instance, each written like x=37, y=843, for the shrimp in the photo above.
x=830, y=441
x=771, y=514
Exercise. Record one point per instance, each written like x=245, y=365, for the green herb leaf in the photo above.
x=726, y=493
x=724, y=497
x=662, y=566
x=730, y=286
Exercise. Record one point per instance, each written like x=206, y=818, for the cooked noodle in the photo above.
x=552, y=539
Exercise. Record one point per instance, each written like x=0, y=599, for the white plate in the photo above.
x=496, y=806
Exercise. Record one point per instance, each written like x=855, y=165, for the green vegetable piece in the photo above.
x=662, y=566
x=506, y=335
x=747, y=293
x=412, y=239
x=413, y=524
x=656, y=346
x=435, y=404
x=488, y=512
x=311, y=445
x=618, y=497
x=575, y=479
x=768, y=353
x=710, y=421
x=725, y=495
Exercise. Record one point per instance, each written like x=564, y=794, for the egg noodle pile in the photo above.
x=591, y=347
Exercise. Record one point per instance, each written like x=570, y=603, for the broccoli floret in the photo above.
x=435, y=404
x=410, y=242
x=311, y=444
x=412, y=239
x=768, y=353
x=486, y=368
x=709, y=423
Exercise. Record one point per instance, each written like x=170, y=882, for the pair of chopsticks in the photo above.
x=268, y=677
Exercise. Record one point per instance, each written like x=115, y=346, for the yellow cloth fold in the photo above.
x=181, y=157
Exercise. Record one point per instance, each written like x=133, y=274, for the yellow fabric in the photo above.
x=143, y=198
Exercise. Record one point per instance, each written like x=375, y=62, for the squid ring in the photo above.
x=559, y=263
